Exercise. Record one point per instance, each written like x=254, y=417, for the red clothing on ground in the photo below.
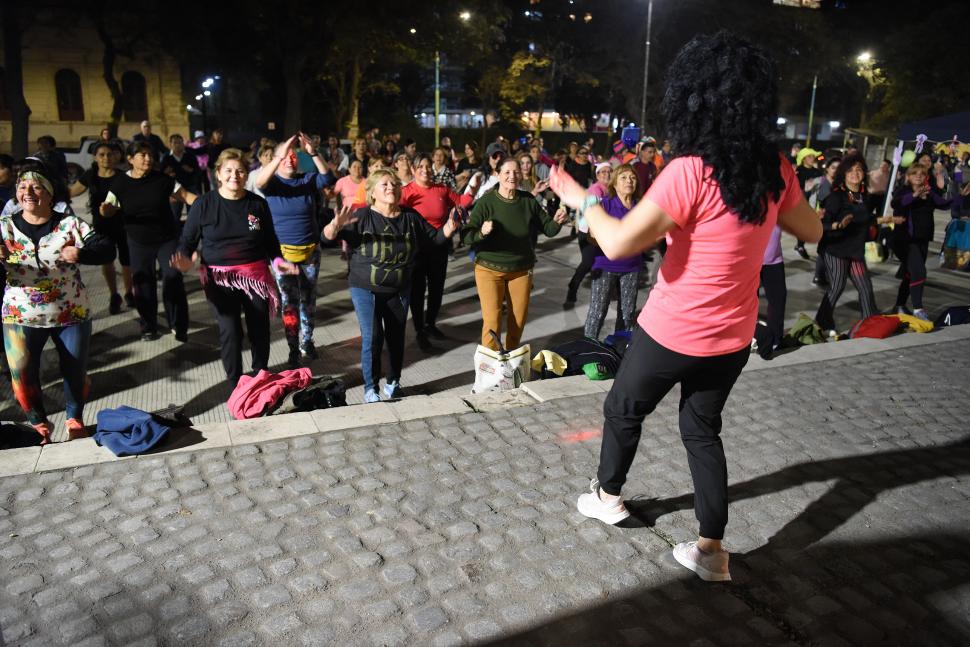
x=705, y=302
x=253, y=395
x=434, y=202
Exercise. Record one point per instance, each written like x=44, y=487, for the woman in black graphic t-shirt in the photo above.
x=386, y=240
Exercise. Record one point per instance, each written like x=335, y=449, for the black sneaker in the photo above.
x=819, y=282
x=423, y=342
x=433, y=331
x=129, y=299
x=293, y=361
x=114, y=307
x=309, y=353
x=181, y=337
x=570, y=301
x=149, y=335
x=802, y=251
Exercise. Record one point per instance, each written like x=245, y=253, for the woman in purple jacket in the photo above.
x=624, y=190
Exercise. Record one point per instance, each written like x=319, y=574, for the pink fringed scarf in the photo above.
x=254, y=279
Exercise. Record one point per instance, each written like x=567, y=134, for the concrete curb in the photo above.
x=57, y=456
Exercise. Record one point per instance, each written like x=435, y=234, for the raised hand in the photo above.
x=568, y=189
x=344, y=216
x=540, y=186
x=487, y=227
x=306, y=144
x=180, y=262
x=283, y=149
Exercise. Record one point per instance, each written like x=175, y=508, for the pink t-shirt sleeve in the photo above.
x=675, y=190
x=791, y=193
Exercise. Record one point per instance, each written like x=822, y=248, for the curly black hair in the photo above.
x=721, y=104
x=850, y=160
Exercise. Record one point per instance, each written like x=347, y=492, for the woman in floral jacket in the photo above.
x=46, y=299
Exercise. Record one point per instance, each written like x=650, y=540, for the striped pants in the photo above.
x=840, y=269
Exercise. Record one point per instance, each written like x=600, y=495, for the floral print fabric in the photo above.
x=42, y=290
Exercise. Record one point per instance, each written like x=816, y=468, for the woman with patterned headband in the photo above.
x=45, y=297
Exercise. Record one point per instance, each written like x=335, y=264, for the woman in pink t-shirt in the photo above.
x=348, y=186
x=717, y=204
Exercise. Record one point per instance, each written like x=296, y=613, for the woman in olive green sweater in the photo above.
x=499, y=232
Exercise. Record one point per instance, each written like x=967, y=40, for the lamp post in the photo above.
x=811, y=114
x=868, y=71
x=437, y=99
x=646, y=67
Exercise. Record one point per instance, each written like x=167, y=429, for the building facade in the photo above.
x=69, y=99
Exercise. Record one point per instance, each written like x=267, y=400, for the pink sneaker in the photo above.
x=75, y=429
x=710, y=567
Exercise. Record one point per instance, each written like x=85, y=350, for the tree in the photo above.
x=10, y=13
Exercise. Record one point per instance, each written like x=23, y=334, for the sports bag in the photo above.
x=582, y=352
x=953, y=316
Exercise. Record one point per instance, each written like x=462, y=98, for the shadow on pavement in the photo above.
x=892, y=591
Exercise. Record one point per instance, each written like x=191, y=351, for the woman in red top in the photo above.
x=716, y=204
x=434, y=202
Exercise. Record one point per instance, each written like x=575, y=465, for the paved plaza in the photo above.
x=450, y=519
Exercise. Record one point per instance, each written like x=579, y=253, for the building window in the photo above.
x=4, y=108
x=134, y=99
x=70, y=105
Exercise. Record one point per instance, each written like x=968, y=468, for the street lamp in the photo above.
x=646, y=66
x=465, y=15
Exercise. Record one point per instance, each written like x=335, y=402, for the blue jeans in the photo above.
x=381, y=316
x=24, y=345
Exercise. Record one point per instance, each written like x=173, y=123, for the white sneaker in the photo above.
x=710, y=567
x=919, y=313
x=590, y=505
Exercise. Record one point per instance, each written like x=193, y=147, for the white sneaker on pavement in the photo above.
x=710, y=567
x=592, y=506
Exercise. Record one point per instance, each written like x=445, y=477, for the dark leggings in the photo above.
x=648, y=372
x=776, y=293
x=589, y=253
x=429, y=272
x=840, y=269
x=228, y=304
x=143, y=260
x=912, y=255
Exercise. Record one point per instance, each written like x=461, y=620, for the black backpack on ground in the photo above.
x=953, y=316
x=324, y=392
x=580, y=352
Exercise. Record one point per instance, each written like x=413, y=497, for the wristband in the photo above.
x=590, y=201
x=314, y=154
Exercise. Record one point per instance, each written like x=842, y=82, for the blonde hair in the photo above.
x=232, y=154
x=374, y=178
x=917, y=168
x=625, y=168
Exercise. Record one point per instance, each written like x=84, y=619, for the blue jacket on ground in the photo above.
x=127, y=431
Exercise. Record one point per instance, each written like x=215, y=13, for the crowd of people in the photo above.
x=258, y=221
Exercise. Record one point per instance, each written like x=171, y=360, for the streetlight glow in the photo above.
x=465, y=15
x=198, y=97
x=781, y=121
x=864, y=57
x=413, y=30
x=834, y=124
x=207, y=93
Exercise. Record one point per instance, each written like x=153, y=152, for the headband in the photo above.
x=39, y=179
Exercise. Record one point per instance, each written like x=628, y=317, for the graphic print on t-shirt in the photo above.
x=253, y=222
x=391, y=251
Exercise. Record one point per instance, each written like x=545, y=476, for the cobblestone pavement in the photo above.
x=126, y=371
x=850, y=482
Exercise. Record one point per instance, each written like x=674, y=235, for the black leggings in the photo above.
x=840, y=269
x=912, y=255
x=648, y=372
x=228, y=304
x=143, y=259
x=776, y=293
x=589, y=253
x=430, y=270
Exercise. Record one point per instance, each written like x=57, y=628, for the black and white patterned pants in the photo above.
x=599, y=302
